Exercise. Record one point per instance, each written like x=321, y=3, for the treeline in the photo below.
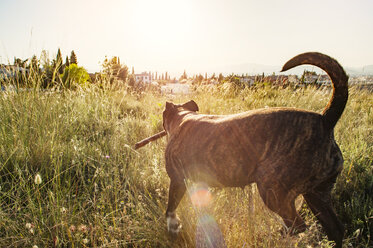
x=63, y=72
x=60, y=73
x=44, y=73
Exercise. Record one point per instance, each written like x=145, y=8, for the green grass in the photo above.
x=97, y=191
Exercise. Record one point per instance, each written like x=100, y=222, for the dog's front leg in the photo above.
x=177, y=190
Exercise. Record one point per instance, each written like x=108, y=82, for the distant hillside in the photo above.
x=365, y=70
x=253, y=69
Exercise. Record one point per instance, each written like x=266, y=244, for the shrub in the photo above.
x=74, y=76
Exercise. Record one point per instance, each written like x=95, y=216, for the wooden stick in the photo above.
x=150, y=139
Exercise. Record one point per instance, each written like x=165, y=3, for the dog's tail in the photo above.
x=337, y=103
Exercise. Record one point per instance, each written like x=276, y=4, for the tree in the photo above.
x=309, y=77
x=59, y=56
x=123, y=73
x=34, y=64
x=131, y=80
x=67, y=62
x=20, y=63
x=199, y=78
x=73, y=58
x=19, y=72
x=113, y=69
x=184, y=76
x=221, y=77
x=59, y=64
x=44, y=58
x=48, y=75
x=111, y=66
x=74, y=76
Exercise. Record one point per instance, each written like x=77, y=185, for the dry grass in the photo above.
x=97, y=191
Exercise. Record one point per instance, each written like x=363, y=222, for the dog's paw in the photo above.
x=173, y=225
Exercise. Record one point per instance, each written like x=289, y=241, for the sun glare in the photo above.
x=162, y=17
x=163, y=24
x=200, y=196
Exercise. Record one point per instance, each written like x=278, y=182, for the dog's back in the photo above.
x=236, y=150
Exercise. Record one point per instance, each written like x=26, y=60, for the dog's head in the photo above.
x=172, y=109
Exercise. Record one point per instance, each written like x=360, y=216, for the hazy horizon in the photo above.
x=196, y=36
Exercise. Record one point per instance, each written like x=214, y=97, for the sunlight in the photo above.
x=200, y=196
x=208, y=233
x=162, y=18
x=161, y=27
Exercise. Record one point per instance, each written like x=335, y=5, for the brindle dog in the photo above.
x=285, y=151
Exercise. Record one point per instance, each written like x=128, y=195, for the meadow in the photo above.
x=69, y=176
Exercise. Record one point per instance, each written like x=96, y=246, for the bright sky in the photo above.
x=196, y=35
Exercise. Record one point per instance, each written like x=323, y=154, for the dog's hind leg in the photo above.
x=176, y=192
x=282, y=202
x=320, y=205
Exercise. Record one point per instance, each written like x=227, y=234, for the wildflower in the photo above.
x=72, y=228
x=37, y=179
x=31, y=230
x=35, y=246
x=85, y=241
x=82, y=228
x=159, y=193
x=28, y=225
x=107, y=156
x=63, y=210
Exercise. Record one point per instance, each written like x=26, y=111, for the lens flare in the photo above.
x=208, y=234
x=200, y=197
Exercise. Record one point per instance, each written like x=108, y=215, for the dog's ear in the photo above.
x=191, y=105
x=169, y=105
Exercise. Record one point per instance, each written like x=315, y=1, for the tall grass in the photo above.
x=96, y=191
